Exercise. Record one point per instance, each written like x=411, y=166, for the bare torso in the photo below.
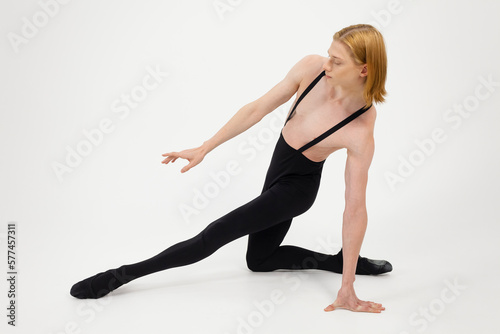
x=316, y=113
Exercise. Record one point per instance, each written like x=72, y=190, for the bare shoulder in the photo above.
x=313, y=61
x=308, y=67
x=297, y=78
x=362, y=141
x=312, y=65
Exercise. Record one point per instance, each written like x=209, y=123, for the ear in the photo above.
x=364, y=71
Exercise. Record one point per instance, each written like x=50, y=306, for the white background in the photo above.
x=438, y=224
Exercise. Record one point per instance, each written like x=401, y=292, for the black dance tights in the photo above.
x=265, y=223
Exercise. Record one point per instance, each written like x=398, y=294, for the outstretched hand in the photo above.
x=346, y=299
x=193, y=155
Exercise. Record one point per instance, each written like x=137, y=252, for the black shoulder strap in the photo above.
x=334, y=128
x=304, y=93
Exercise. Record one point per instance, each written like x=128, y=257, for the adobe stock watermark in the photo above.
x=94, y=137
x=30, y=27
x=422, y=318
x=383, y=17
x=454, y=117
x=264, y=309
x=248, y=149
x=222, y=7
x=87, y=311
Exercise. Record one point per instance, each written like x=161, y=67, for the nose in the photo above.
x=326, y=66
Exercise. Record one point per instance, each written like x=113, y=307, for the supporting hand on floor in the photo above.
x=346, y=299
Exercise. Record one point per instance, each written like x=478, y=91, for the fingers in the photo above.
x=370, y=307
x=194, y=156
x=170, y=157
x=369, y=303
x=190, y=165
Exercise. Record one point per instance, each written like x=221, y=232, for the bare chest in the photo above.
x=313, y=117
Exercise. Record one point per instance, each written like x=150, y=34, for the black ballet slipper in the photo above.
x=366, y=266
x=87, y=289
x=372, y=267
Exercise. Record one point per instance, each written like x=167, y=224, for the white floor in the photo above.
x=445, y=277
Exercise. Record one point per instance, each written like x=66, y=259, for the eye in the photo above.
x=335, y=62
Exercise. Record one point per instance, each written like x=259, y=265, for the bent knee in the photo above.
x=256, y=265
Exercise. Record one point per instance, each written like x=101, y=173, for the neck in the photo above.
x=347, y=97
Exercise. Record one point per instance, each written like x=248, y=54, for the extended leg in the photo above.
x=266, y=210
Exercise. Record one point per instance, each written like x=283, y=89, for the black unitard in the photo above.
x=290, y=188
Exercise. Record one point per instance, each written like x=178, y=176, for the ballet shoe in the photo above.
x=366, y=266
x=84, y=290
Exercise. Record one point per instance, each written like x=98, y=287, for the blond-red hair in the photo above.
x=367, y=47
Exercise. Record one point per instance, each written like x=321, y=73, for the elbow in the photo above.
x=253, y=112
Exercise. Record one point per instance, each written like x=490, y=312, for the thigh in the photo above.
x=274, y=206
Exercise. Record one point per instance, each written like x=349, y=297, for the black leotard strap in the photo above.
x=304, y=93
x=334, y=128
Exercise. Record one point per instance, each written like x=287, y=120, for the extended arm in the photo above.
x=247, y=116
x=253, y=112
x=355, y=219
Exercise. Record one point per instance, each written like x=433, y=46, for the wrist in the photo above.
x=346, y=289
x=206, y=147
x=347, y=284
x=348, y=278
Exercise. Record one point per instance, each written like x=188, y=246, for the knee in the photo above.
x=255, y=265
